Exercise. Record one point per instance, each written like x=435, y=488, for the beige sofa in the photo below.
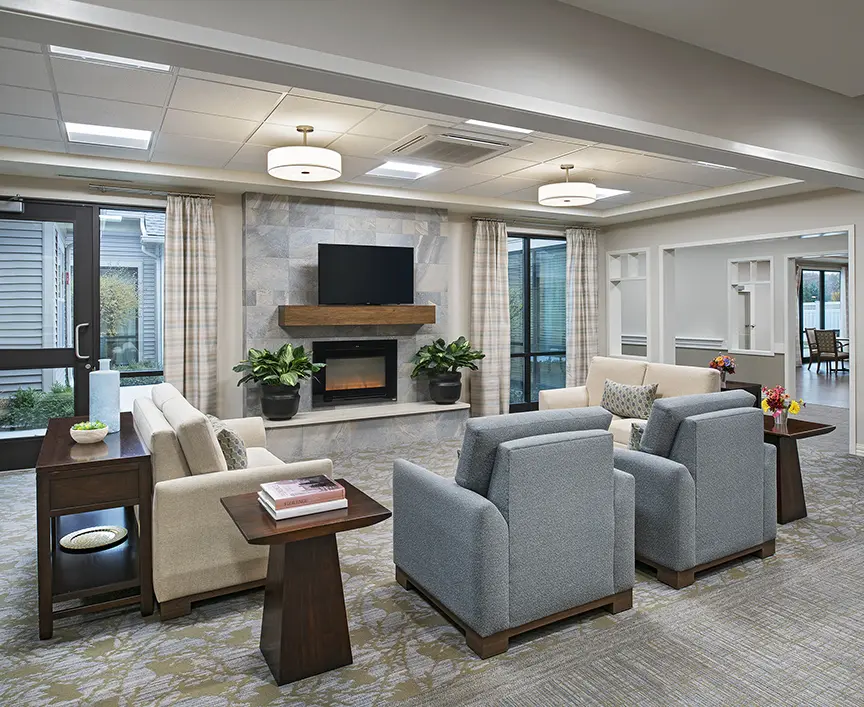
x=197, y=550
x=671, y=381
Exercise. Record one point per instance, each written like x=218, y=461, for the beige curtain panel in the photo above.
x=582, y=307
x=490, y=319
x=190, y=299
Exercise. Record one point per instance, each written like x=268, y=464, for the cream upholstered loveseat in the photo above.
x=671, y=381
x=197, y=550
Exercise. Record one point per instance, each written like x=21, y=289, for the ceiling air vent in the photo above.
x=449, y=146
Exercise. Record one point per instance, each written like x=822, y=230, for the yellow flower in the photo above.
x=794, y=407
x=764, y=406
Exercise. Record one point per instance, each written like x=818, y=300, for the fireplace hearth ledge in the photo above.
x=351, y=413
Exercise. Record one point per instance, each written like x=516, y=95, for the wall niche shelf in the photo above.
x=339, y=315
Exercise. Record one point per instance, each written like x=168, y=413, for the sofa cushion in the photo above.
x=484, y=434
x=621, y=428
x=163, y=392
x=673, y=381
x=196, y=436
x=159, y=437
x=620, y=370
x=231, y=444
x=668, y=413
x=259, y=456
x=628, y=400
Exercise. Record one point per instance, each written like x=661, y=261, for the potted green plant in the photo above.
x=441, y=363
x=279, y=374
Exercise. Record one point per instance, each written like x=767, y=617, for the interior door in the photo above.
x=48, y=334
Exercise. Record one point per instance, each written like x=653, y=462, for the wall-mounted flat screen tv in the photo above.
x=365, y=274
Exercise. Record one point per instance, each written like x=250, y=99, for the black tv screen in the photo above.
x=365, y=274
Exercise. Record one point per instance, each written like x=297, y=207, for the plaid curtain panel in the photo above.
x=490, y=319
x=190, y=299
x=582, y=307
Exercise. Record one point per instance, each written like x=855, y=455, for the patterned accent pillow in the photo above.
x=230, y=443
x=628, y=400
x=637, y=429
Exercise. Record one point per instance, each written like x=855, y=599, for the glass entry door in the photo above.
x=48, y=335
x=821, y=305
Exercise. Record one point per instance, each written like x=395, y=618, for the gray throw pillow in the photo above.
x=637, y=429
x=231, y=444
x=628, y=400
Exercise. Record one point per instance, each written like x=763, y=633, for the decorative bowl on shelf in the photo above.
x=89, y=432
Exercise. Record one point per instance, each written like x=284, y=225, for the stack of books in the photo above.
x=301, y=497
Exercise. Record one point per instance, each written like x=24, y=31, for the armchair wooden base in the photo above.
x=684, y=578
x=175, y=608
x=497, y=643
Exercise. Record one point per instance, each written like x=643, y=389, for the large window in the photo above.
x=538, y=319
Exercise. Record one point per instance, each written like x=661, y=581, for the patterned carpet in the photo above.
x=787, y=630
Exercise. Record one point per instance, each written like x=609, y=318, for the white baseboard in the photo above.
x=859, y=450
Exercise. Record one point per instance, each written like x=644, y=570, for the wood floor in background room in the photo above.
x=823, y=388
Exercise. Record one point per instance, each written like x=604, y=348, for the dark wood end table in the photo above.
x=790, y=487
x=84, y=485
x=304, y=628
x=752, y=388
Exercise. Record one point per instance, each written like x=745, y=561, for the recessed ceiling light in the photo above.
x=403, y=170
x=498, y=126
x=714, y=165
x=108, y=135
x=108, y=59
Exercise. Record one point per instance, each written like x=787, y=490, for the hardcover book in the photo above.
x=302, y=492
x=297, y=511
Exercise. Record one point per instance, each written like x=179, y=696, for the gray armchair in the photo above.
x=705, y=485
x=532, y=530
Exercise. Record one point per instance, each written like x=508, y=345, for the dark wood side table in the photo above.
x=752, y=388
x=85, y=485
x=790, y=488
x=304, y=629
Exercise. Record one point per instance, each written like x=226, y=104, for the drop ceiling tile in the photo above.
x=26, y=101
x=541, y=150
x=250, y=158
x=561, y=138
x=353, y=167
x=544, y=172
x=306, y=93
x=119, y=114
x=359, y=145
x=274, y=135
x=211, y=127
x=499, y=166
x=31, y=144
x=449, y=180
x=234, y=81
x=25, y=69
x=497, y=187
x=388, y=126
x=124, y=153
x=634, y=183
x=85, y=78
x=325, y=116
x=437, y=118
x=690, y=173
x=194, y=151
x=608, y=160
x=35, y=128
x=223, y=99
x=20, y=44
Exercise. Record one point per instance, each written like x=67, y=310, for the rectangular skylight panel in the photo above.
x=714, y=165
x=606, y=193
x=403, y=170
x=108, y=136
x=108, y=59
x=498, y=126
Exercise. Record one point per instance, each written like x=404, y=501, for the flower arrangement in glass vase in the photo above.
x=723, y=363
x=779, y=403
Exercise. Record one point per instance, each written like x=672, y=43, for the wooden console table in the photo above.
x=84, y=485
x=304, y=628
x=790, y=487
x=752, y=388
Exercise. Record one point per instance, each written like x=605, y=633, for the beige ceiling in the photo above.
x=205, y=120
x=816, y=42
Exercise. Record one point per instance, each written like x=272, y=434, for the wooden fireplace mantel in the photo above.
x=339, y=315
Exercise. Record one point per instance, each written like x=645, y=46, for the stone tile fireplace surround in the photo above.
x=280, y=246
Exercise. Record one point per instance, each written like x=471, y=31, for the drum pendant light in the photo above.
x=567, y=193
x=302, y=163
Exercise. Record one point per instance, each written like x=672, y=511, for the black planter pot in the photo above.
x=280, y=402
x=445, y=388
